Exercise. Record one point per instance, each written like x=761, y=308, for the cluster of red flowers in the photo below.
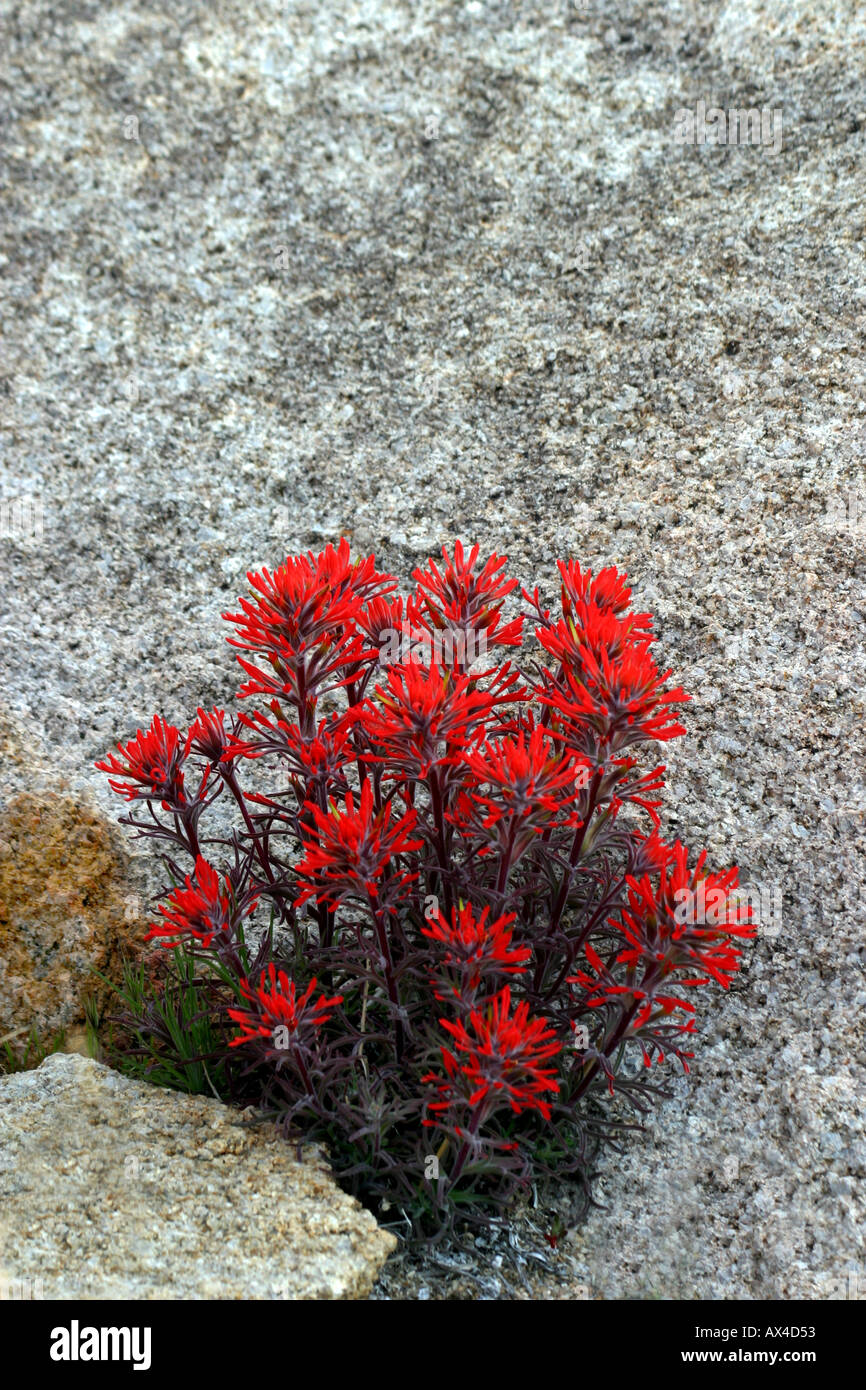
x=203, y=909
x=280, y=1007
x=349, y=850
x=474, y=948
x=150, y=765
x=500, y=1055
x=459, y=856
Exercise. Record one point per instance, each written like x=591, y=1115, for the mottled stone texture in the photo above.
x=68, y=905
x=414, y=271
x=114, y=1189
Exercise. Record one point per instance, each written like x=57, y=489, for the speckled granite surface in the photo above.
x=116, y=1190
x=415, y=271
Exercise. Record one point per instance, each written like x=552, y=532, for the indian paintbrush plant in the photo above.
x=439, y=930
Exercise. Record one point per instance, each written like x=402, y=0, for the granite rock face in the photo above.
x=113, y=1189
x=280, y=271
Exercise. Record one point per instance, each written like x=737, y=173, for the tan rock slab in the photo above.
x=113, y=1189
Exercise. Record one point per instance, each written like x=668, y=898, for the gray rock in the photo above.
x=279, y=271
x=114, y=1189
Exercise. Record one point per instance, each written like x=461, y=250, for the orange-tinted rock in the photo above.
x=66, y=906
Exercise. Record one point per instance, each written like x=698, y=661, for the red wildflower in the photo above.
x=302, y=619
x=686, y=923
x=276, y=1005
x=208, y=736
x=321, y=756
x=153, y=764
x=609, y=593
x=202, y=909
x=530, y=784
x=652, y=853
x=476, y=948
x=607, y=681
x=387, y=626
x=465, y=604
x=618, y=788
x=423, y=709
x=567, y=639
x=602, y=986
x=621, y=697
x=353, y=849
x=345, y=577
x=502, y=1057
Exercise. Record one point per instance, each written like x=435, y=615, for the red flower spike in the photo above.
x=501, y=1059
x=525, y=786
x=619, y=790
x=622, y=699
x=678, y=932
x=476, y=948
x=305, y=598
x=388, y=625
x=687, y=921
x=652, y=854
x=302, y=619
x=150, y=766
x=208, y=736
x=353, y=850
x=421, y=710
x=203, y=909
x=466, y=603
x=320, y=758
x=276, y=1005
x=608, y=592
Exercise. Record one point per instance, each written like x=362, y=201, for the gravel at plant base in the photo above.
x=411, y=272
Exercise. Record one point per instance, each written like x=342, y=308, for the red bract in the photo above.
x=651, y=853
x=305, y=599
x=424, y=714
x=420, y=831
x=353, y=849
x=474, y=948
x=608, y=594
x=387, y=628
x=500, y=1057
x=594, y=629
x=687, y=921
x=679, y=934
x=303, y=620
x=203, y=909
x=315, y=758
x=608, y=590
x=149, y=766
x=458, y=599
x=524, y=785
x=618, y=788
x=622, y=698
x=208, y=736
x=277, y=1005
